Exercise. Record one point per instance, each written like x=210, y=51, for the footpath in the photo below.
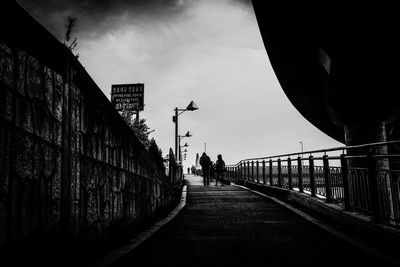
x=231, y=226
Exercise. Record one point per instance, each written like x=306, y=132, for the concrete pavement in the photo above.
x=230, y=226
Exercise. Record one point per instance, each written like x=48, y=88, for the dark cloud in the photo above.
x=98, y=15
x=96, y=6
x=246, y=2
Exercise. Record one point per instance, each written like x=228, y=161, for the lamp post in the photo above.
x=180, y=137
x=191, y=107
x=184, y=151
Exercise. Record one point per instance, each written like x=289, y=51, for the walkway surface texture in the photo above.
x=231, y=226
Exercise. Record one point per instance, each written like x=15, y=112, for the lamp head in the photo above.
x=192, y=106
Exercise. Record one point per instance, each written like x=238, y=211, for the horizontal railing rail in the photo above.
x=341, y=148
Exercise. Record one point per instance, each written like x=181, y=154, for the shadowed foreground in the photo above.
x=229, y=226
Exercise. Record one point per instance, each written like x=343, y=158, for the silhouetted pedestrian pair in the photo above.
x=207, y=166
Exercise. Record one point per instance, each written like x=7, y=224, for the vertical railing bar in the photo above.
x=257, y=171
x=252, y=171
x=248, y=171
x=300, y=173
x=312, y=177
x=241, y=171
x=328, y=192
x=245, y=170
x=289, y=166
x=263, y=171
x=279, y=173
x=270, y=173
x=373, y=187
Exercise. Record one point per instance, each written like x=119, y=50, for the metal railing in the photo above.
x=364, y=178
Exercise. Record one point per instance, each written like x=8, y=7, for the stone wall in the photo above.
x=69, y=164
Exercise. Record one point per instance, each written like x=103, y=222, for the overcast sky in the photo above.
x=209, y=51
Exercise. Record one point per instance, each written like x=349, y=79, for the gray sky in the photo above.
x=203, y=50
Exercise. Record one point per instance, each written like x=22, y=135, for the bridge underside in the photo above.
x=335, y=67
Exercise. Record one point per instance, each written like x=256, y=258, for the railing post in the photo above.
x=327, y=179
x=252, y=171
x=257, y=171
x=270, y=173
x=263, y=171
x=241, y=171
x=235, y=173
x=312, y=177
x=300, y=173
x=279, y=173
x=248, y=171
x=373, y=188
x=245, y=170
x=289, y=166
x=345, y=181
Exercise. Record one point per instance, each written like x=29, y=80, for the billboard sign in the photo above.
x=129, y=97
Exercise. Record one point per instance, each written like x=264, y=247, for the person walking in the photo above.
x=205, y=163
x=194, y=170
x=219, y=169
x=212, y=171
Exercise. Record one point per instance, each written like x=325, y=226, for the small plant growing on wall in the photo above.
x=70, y=42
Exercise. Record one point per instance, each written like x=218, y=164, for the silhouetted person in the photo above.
x=219, y=169
x=188, y=170
x=194, y=170
x=205, y=163
x=212, y=171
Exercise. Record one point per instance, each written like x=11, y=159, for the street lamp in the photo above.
x=187, y=134
x=185, y=145
x=180, y=137
x=191, y=107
